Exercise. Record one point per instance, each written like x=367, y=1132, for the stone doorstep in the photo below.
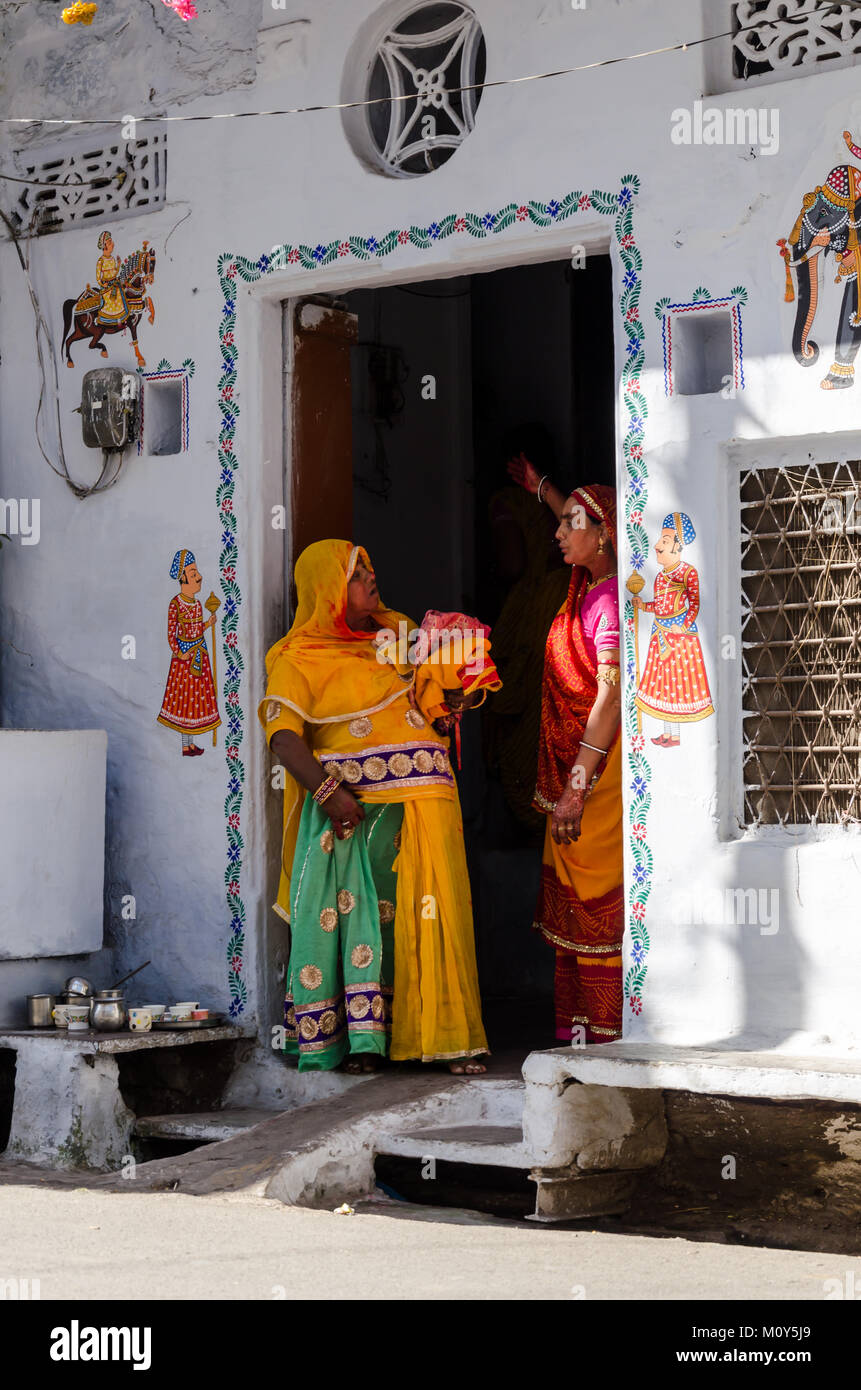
x=322, y=1153
x=655, y=1066
x=496, y=1146
x=92, y=1041
x=208, y=1127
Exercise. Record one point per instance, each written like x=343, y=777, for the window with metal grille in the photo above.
x=801, y=644
x=82, y=182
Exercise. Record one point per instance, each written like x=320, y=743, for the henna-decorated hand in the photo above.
x=522, y=472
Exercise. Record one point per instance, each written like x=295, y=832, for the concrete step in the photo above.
x=705, y=1071
x=496, y=1146
x=208, y=1127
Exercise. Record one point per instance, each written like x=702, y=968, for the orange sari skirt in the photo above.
x=581, y=911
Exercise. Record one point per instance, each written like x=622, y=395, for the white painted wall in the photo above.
x=52, y=850
x=705, y=216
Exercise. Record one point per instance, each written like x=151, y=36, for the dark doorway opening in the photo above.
x=449, y=379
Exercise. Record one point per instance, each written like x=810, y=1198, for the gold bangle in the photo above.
x=325, y=789
x=609, y=675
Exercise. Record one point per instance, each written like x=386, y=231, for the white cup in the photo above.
x=157, y=1010
x=140, y=1020
x=60, y=1015
x=78, y=1016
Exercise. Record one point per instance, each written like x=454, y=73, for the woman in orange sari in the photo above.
x=581, y=901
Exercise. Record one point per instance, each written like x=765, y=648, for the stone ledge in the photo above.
x=653, y=1066
x=92, y=1041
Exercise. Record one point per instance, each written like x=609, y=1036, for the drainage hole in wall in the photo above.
x=505, y=1192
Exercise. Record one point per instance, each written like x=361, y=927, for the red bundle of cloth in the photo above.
x=454, y=655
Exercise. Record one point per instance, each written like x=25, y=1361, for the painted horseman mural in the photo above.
x=118, y=300
x=828, y=221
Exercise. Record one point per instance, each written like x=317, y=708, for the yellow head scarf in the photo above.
x=329, y=671
x=325, y=671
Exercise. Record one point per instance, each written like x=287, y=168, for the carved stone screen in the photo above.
x=91, y=181
x=781, y=36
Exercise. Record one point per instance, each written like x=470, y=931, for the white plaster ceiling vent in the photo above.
x=88, y=181
x=421, y=66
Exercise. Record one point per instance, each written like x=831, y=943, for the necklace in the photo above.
x=593, y=583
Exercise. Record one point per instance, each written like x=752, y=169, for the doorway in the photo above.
x=447, y=379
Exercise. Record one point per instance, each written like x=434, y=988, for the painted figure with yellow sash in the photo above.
x=674, y=687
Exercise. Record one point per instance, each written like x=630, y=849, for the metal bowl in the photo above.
x=69, y=997
x=76, y=984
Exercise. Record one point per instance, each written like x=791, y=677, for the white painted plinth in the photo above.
x=68, y=1111
x=52, y=846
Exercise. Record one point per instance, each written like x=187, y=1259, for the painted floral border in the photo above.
x=165, y=372
x=618, y=205
x=666, y=310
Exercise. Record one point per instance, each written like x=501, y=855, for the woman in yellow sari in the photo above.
x=581, y=902
x=373, y=873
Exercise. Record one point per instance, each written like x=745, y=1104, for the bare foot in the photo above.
x=364, y=1062
x=467, y=1066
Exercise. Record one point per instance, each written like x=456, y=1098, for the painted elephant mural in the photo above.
x=828, y=221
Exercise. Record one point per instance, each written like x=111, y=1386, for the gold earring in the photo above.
x=601, y=546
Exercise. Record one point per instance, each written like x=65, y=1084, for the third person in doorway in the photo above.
x=580, y=908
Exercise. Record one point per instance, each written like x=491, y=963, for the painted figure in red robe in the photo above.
x=674, y=687
x=190, y=705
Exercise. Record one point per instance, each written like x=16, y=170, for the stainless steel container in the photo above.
x=108, y=1014
x=40, y=1010
x=76, y=984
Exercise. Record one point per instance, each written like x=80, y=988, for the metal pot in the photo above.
x=68, y=998
x=108, y=1014
x=40, y=1010
x=76, y=984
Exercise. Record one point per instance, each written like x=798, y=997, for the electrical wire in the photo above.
x=41, y=327
x=82, y=183
x=834, y=7
x=80, y=490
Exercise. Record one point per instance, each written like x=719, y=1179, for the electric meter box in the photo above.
x=110, y=408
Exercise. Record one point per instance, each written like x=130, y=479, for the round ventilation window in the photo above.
x=423, y=79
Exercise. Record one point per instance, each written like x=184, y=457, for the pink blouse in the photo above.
x=599, y=616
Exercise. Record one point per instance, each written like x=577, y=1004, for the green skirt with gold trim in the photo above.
x=341, y=974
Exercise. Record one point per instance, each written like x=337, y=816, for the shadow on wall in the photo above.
x=742, y=929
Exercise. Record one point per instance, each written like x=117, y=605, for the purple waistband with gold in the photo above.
x=390, y=764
